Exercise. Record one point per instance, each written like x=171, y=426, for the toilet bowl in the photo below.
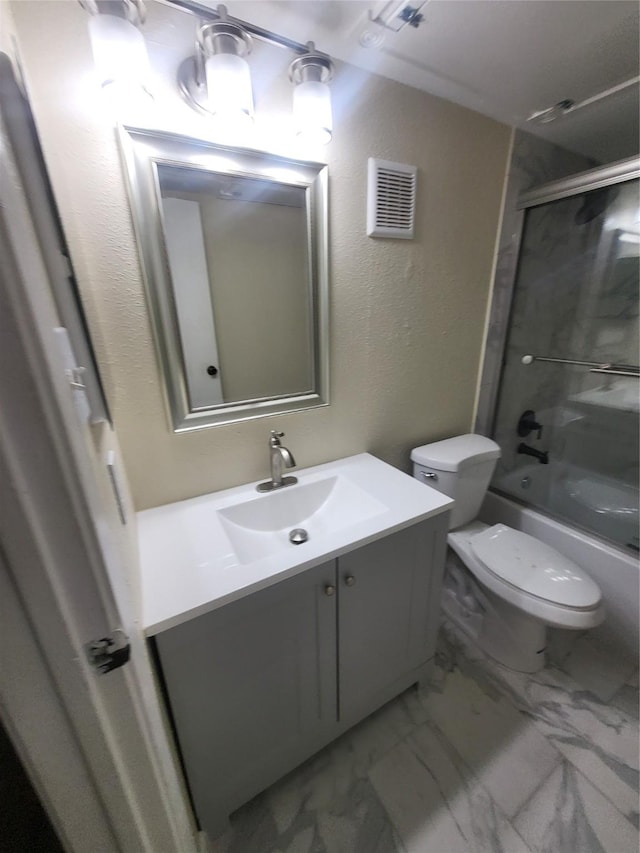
x=510, y=585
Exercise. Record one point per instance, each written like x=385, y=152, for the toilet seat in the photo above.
x=534, y=568
x=502, y=580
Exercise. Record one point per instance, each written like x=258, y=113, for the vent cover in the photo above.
x=391, y=199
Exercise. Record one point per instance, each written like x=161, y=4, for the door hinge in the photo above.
x=109, y=653
x=75, y=375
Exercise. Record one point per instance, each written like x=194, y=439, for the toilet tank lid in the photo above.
x=456, y=453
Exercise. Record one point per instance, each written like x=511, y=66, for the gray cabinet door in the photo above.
x=252, y=689
x=388, y=602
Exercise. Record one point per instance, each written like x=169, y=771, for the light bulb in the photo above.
x=120, y=57
x=229, y=88
x=312, y=113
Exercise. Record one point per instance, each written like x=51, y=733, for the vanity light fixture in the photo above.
x=216, y=80
x=118, y=47
x=312, y=115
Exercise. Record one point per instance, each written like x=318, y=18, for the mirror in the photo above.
x=233, y=246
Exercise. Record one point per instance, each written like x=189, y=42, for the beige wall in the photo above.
x=406, y=316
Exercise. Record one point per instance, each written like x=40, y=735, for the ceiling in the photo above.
x=504, y=58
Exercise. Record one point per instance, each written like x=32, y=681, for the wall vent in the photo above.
x=391, y=199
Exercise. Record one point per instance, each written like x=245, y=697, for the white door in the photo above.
x=94, y=745
x=192, y=296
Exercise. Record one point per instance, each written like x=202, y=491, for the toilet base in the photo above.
x=509, y=636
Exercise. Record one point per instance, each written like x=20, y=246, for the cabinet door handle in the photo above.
x=329, y=589
x=349, y=580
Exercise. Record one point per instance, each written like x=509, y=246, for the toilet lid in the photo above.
x=534, y=567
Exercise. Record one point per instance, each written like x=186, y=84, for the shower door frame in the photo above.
x=500, y=314
x=592, y=179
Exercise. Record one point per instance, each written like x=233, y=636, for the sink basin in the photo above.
x=204, y=552
x=260, y=527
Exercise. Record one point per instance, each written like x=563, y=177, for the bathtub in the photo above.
x=616, y=572
x=575, y=495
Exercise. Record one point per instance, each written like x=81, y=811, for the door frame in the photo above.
x=93, y=745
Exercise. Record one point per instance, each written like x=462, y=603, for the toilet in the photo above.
x=511, y=585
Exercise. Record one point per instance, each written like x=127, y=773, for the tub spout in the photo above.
x=541, y=455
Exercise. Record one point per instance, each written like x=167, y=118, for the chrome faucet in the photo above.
x=280, y=458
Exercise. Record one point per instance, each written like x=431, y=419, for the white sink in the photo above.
x=199, y=554
x=261, y=526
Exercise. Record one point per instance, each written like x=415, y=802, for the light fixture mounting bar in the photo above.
x=207, y=14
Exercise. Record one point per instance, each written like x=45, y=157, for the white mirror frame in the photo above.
x=142, y=152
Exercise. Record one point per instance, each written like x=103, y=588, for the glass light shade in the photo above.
x=229, y=87
x=120, y=55
x=312, y=112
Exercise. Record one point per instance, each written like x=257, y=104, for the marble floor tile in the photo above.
x=493, y=738
x=553, y=697
x=324, y=806
x=626, y=699
x=596, y=669
x=452, y=809
x=409, y=792
x=598, y=738
x=568, y=814
x=612, y=779
x=357, y=823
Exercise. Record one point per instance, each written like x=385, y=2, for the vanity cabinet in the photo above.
x=252, y=689
x=386, y=630
x=260, y=684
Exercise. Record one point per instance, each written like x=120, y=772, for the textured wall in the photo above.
x=406, y=316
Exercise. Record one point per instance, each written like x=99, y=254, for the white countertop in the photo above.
x=189, y=565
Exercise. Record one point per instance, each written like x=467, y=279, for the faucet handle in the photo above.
x=528, y=424
x=276, y=435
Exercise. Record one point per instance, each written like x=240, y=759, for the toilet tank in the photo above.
x=459, y=467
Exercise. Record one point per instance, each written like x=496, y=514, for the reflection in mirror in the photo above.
x=233, y=245
x=239, y=265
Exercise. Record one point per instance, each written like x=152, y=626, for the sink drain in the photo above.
x=298, y=536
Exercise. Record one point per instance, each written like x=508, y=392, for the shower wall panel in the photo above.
x=534, y=161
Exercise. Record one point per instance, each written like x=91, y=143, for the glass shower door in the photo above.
x=567, y=413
